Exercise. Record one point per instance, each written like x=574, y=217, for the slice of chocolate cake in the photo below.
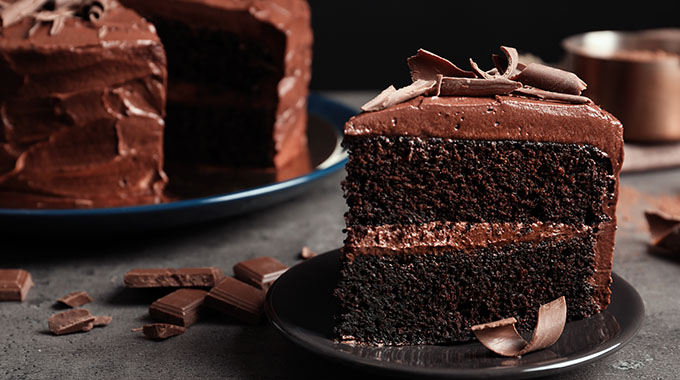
x=82, y=99
x=238, y=79
x=476, y=196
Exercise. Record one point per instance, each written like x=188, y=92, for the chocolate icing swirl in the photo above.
x=433, y=75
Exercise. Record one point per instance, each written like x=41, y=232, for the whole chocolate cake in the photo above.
x=476, y=196
x=238, y=79
x=82, y=100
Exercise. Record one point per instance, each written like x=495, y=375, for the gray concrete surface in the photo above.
x=221, y=349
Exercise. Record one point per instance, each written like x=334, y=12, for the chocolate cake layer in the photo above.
x=239, y=73
x=411, y=297
x=438, y=179
x=82, y=112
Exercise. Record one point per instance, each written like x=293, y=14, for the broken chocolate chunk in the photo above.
x=237, y=299
x=166, y=277
x=665, y=230
x=181, y=307
x=75, y=299
x=71, y=321
x=102, y=320
x=14, y=284
x=260, y=272
x=159, y=331
x=502, y=338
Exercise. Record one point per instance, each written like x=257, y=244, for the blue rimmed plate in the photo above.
x=326, y=156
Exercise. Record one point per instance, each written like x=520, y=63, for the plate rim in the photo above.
x=400, y=370
x=341, y=113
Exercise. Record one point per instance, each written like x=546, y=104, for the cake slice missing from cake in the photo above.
x=473, y=200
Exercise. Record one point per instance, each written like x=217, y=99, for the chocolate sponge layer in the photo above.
x=409, y=297
x=414, y=180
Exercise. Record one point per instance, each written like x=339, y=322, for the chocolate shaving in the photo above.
x=390, y=96
x=480, y=72
x=426, y=65
x=436, y=76
x=502, y=338
x=477, y=86
x=665, y=230
x=18, y=10
x=75, y=299
x=550, y=79
x=510, y=63
x=551, y=95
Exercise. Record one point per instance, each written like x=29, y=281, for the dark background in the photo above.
x=363, y=44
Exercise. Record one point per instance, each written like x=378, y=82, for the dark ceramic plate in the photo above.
x=289, y=307
x=199, y=195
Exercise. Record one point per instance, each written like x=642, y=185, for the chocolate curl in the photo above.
x=550, y=79
x=18, y=10
x=477, y=86
x=502, y=338
x=551, y=95
x=95, y=10
x=426, y=65
x=391, y=96
x=480, y=73
x=665, y=230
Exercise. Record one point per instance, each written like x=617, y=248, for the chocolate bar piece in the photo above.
x=237, y=299
x=75, y=299
x=14, y=284
x=166, y=277
x=180, y=307
x=161, y=330
x=71, y=321
x=260, y=272
x=102, y=320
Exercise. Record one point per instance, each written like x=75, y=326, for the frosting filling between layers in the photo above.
x=455, y=235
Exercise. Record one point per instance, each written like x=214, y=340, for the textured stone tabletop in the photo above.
x=217, y=348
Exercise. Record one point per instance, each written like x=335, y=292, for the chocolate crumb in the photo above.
x=307, y=253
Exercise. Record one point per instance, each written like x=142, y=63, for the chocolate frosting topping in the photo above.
x=81, y=112
x=508, y=77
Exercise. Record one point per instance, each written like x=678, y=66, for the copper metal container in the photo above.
x=633, y=75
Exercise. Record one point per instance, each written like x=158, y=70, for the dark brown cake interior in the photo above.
x=435, y=179
x=432, y=298
x=222, y=94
